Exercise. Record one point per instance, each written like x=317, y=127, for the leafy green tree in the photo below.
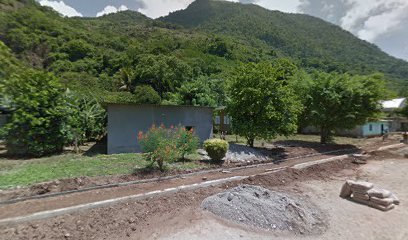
x=87, y=118
x=341, y=101
x=8, y=66
x=145, y=94
x=163, y=73
x=39, y=121
x=196, y=93
x=77, y=49
x=261, y=103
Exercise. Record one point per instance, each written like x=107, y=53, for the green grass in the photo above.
x=298, y=137
x=27, y=172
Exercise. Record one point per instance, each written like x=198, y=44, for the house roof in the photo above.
x=394, y=103
x=157, y=105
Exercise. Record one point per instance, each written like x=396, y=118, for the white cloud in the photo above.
x=290, y=6
x=61, y=7
x=370, y=19
x=159, y=8
x=111, y=9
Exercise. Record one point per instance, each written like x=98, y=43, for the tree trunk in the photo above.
x=325, y=135
x=250, y=141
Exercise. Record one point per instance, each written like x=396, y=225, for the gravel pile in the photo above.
x=241, y=153
x=261, y=208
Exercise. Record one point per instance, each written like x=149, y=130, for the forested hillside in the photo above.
x=180, y=59
x=312, y=41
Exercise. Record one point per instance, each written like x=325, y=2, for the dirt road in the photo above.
x=178, y=216
x=348, y=220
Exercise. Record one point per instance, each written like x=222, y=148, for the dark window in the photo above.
x=370, y=127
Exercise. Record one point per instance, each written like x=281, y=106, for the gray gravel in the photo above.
x=241, y=153
x=262, y=208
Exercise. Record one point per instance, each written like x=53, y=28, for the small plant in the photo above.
x=186, y=141
x=216, y=149
x=166, y=145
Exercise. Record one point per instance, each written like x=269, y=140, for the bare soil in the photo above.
x=146, y=219
x=179, y=216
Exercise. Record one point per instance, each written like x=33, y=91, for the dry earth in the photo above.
x=179, y=216
x=348, y=220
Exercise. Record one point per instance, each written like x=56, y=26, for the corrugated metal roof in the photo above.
x=394, y=103
x=157, y=105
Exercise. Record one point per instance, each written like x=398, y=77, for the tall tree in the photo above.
x=341, y=101
x=40, y=115
x=261, y=102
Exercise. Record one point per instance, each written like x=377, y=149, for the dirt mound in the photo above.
x=262, y=208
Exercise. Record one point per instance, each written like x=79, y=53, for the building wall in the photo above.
x=360, y=131
x=125, y=122
x=375, y=129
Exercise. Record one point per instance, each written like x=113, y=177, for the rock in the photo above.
x=246, y=203
x=204, y=178
x=202, y=152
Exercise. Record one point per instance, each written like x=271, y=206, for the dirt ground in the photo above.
x=178, y=216
x=276, y=154
x=348, y=220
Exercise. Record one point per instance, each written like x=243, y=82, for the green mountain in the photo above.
x=312, y=41
x=184, y=57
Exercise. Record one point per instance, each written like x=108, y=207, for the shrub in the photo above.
x=145, y=94
x=216, y=148
x=164, y=145
x=186, y=141
x=39, y=121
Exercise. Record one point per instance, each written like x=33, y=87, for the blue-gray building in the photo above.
x=125, y=121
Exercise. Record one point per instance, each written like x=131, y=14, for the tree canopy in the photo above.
x=261, y=103
x=341, y=101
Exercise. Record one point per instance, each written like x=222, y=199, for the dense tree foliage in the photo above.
x=340, y=101
x=92, y=55
x=261, y=102
x=314, y=43
x=40, y=114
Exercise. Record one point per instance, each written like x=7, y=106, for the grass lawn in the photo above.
x=298, y=137
x=26, y=172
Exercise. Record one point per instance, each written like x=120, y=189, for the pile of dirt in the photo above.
x=258, y=207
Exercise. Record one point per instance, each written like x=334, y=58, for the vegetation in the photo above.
x=185, y=58
x=311, y=42
x=340, y=101
x=261, y=102
x=26, y=172
x=216, y=149
x=40, y=115
x=166, y=145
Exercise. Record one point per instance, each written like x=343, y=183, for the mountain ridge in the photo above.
x=297, y=35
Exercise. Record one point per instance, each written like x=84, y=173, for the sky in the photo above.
x=382, y=22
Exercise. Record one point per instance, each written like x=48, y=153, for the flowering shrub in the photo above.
x=164, y=145
x=186, y=141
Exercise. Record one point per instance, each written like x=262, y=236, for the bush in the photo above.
x=38, y=125
x=166, y=145
x=216, y=148
x=145, y=94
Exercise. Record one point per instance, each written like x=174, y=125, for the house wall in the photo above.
x=375, y=128
x=125, y=122
x=359, y=131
